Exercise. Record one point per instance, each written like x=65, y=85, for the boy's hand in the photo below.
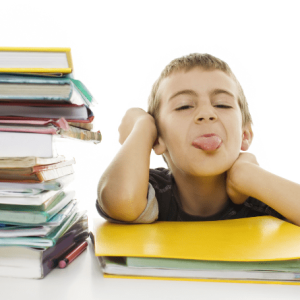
x=131, y=118
x=234, y=190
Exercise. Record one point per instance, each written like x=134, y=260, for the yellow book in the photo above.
x=35, y=60
x=257, y=240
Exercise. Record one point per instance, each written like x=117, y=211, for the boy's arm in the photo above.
x=123, y=187
x=246, y=177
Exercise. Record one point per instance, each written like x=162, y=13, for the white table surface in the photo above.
x=83, y=279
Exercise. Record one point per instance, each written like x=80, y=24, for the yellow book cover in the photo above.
x=35, y=60
x=257, y=239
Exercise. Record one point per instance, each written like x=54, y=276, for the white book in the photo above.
x=33, y=59
x=54, y=185
x=38, y=199
x=19, y=144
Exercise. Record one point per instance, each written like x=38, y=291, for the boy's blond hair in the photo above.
x=205, y=61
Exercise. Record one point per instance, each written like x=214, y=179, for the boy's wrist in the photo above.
x=146, y=125
x=240, y=175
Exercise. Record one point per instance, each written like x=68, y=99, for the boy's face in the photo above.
x=197, y=103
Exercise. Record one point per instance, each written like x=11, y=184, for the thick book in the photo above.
x=38, y=111
x=27, y=162
x=35, y=60
x=39, y=89
x=35, y=169
x=27, y=262
x=71, y=132
x=40, y=176
x=24, y=214
x=46, y=241
x=11, y=231
x=42, y=199
x=19, y=144
x=257, y=250
x=31, y=188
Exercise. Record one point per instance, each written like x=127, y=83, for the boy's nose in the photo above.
x=205, y=114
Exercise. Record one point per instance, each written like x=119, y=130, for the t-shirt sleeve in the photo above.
x=149, y=215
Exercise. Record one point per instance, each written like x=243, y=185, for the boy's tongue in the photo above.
x=207, y=142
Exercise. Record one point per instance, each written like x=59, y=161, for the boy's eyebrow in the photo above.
x=193, y=93
x=220, y=91
x=183, y=92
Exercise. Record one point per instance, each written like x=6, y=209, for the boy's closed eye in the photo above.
x=184, y=107
x=223, y=106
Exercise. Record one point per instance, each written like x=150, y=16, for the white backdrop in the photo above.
x=120, y=47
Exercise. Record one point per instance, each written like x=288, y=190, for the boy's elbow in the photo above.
x=119, y=206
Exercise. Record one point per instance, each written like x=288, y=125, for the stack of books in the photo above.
x=40, y=104
x=253, y=250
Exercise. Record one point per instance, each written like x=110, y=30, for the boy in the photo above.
x=199, y=121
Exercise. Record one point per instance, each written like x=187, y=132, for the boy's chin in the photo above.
x=206, y=171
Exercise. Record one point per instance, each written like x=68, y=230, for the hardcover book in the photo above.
x=55, y=61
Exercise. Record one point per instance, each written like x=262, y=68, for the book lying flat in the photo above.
x=40, y=89
x=39, y=176
x=11, y=231
x=35, y=60
x=26, y=262
x=198, y=269
x=18, y=231
x=258, y=250
x=24, y=214
x=19, y=144
x=52, y=197
x=35, y=169
x=24, y=193
x=59, y=123
x=24, y=199
x=51, y=185
x=26, y=162
x=71, y=112
x=47, y=241
x=72, y=132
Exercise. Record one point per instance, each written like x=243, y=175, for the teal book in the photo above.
x=31, y=216
x=37, y=88
x=48, y=240
x=85, y=93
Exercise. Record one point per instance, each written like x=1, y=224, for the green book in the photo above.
x=27, y=214
x=85, y=93
x=187, y=264
x=51, y=239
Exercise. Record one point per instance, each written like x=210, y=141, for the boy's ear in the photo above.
x=247, y=138
x=159, y=146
